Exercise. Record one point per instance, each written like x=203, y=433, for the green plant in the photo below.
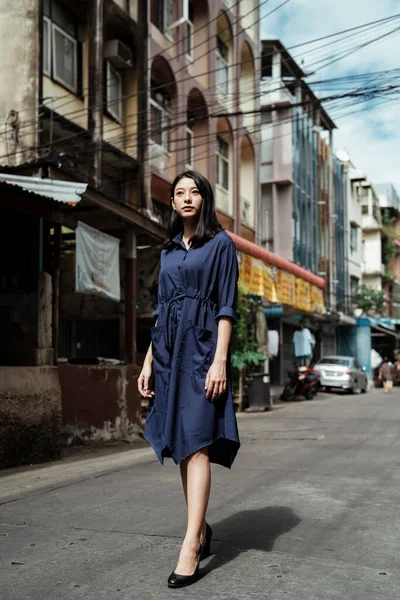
x=389, y=251
x=368, y=298
x=387, y=218
x=244, y=353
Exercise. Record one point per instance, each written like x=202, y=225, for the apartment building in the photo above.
x=204, y=101
x=389, y=203
x=354, y=228
x=103, y=103
x=303, y=189
x=74, y=106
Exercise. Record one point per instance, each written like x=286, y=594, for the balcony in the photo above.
x=374, y=269
x=273, y=91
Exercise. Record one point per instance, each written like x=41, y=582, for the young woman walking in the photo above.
x=191, y=416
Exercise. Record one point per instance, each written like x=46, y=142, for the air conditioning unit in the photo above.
x=157, y=157
x=118, y=54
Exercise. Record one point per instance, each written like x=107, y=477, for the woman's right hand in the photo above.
x=143, y=381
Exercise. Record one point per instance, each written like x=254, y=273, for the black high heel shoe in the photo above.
x=177, y=581
x=205, y=547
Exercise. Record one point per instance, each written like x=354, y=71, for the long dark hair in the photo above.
x=208, y=224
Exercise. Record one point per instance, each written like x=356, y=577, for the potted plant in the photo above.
x=244, y=354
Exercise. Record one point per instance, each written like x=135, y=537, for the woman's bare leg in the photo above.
x=196, y=482
x=183, y=468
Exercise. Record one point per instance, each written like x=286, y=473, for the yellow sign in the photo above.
x=285, y=287
x=317, y=300
x=276, y=285
x=258, y=277
x=303, y=297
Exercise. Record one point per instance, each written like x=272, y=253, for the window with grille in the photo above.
x=222, y=163
x=222, y=66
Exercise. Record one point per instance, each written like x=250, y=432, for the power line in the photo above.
x=380, y=21
x=135, y=115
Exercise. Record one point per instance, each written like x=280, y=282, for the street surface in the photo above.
x=309, y=511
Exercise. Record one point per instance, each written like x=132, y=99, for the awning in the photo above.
x=67, y=192
x=346, y=319
x=275, y=260
x=383, y=331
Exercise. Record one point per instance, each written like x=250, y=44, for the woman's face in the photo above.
x=187, y=200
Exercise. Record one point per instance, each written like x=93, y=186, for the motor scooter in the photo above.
x=303, y=382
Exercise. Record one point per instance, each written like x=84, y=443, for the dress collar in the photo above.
x=178, y=238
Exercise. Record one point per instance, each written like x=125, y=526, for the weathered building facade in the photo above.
x=116, y=97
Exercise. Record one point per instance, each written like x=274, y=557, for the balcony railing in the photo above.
x=274, y=90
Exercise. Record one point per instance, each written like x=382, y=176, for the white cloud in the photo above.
x=371, y=137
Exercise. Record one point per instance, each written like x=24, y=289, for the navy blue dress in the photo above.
x=196, y=287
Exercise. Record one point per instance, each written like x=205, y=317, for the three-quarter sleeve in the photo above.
x=227, y=282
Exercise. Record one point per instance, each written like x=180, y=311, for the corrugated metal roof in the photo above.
x=68, y=192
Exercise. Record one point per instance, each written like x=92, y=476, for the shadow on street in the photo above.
x=249, y=530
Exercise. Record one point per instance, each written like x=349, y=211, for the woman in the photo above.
x=386, y=375
x=191, y=416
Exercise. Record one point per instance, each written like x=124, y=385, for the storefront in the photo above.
x=292, y=298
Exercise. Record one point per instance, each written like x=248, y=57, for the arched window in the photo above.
x=224, y=166
x=162, y=102
x=197, y=132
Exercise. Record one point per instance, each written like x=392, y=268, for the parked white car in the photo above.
x=342, y=372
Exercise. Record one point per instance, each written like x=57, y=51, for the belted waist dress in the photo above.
x=196, y=287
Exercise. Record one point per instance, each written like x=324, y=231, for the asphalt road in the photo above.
x=309, y=510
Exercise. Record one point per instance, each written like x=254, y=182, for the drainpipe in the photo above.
x=143, y=49
x=95, y=97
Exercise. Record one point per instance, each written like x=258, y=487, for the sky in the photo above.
x=371, y=137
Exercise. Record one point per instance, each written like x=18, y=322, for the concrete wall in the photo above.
x=30, y=415
x=100, y=402
x=372, y=253
x=283, y=220
x=248, y=14
x=19, y=37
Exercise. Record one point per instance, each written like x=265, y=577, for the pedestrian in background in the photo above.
x=386, y=375
x=191, y=416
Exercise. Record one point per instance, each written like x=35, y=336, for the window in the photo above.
x=354, y=281
x=62, y=48
x=189, y=145
x=353, y=237
x=222, y=66
x=64, y=58
x=114, y=92
x=162, y=15
x=364, y=209
x=342, y=362
x=266, y=137
x=190, y=34
x=222, y=163
x=160, y=117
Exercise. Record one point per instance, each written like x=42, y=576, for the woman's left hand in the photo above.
x=216, y=380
